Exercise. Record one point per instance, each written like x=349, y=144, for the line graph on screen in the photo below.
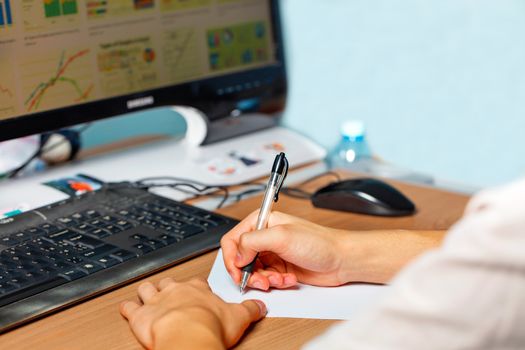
x=68, y=82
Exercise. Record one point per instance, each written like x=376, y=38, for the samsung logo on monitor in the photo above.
x=141, y=102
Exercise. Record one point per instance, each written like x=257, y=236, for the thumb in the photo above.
x=274, y=239
x=256, y=310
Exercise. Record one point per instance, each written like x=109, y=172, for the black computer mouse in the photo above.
x=365, y=196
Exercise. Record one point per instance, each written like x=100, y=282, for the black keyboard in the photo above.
x=57, y=255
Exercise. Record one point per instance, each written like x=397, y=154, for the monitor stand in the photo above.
x=201, y=131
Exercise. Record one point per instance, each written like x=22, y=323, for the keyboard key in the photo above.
x=102, y=250
x=75, y=260
x=45, y=270
x=8, y=240
x=99, y=233
x=23, y=236
x=139, y=237
x=73, y=274
x=90, y=267
x=60, y=265
x=109, y=218
x=124, y=213
x=167, y=239
x=204, y=223
x=84, y=228
x=126, y=225
x=112, y=229
x=123, y=255
x=41, y=261
x=107, y=261
x=48, y=228
x=67, y=221
x=216, y=220
x=78, y=217
x=59, y=236
x=143, y=248
x=86, y=241
x=19, y=282
x=152, y=223
x=153, y=243
x=91, y=214
x=35, y=231
x=33, y=276
x=188, y=231
x=97, y=223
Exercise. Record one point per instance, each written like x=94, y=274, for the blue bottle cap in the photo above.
x=353, y=129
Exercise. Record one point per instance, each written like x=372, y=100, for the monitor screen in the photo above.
x=64, y=62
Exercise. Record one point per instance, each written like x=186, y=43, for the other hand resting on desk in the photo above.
x=188, y=316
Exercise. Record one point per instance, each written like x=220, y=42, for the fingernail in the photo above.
x=238, y=257
x=258, y=285
x=262, y=307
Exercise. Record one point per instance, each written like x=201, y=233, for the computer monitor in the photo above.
x=66, y=62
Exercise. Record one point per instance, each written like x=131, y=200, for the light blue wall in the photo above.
x=440, y=84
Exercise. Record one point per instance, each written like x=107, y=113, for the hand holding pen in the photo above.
x=271, y=195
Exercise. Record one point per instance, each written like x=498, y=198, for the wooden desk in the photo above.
x=97, y=324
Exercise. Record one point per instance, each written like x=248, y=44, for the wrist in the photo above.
x=196, y=329
x=377, y=256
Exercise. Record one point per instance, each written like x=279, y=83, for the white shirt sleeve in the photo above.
x=468, y=294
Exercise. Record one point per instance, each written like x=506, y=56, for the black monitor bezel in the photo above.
x=216, y=96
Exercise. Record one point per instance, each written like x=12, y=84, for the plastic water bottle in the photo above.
x=353, y=153
x=352, y=149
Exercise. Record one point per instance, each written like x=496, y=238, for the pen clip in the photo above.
x=281, y=180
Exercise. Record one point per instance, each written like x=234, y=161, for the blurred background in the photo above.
x=439, y=84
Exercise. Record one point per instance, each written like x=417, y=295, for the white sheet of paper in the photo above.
x=339, y=303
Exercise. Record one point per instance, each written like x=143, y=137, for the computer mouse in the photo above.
x=365, y=196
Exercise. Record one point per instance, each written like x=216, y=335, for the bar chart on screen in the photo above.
x=105, y=9
x=6, y=14
x=181, y=5
x=7, y=20
x=43, y=15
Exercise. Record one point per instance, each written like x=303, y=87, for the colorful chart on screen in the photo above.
x=102, y=9
x=43, y=15
x=181, y=5
x=56, y=79
x=7, y=91
x=6, y=17
x=182, y=56
x=239, y=45
x=62, y=53
x=127, y=65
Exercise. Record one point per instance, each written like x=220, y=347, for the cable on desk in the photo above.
x=297, y=192
x=41, y=150
x=198, y=189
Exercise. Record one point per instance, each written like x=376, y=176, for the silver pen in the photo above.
x=271, y=195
